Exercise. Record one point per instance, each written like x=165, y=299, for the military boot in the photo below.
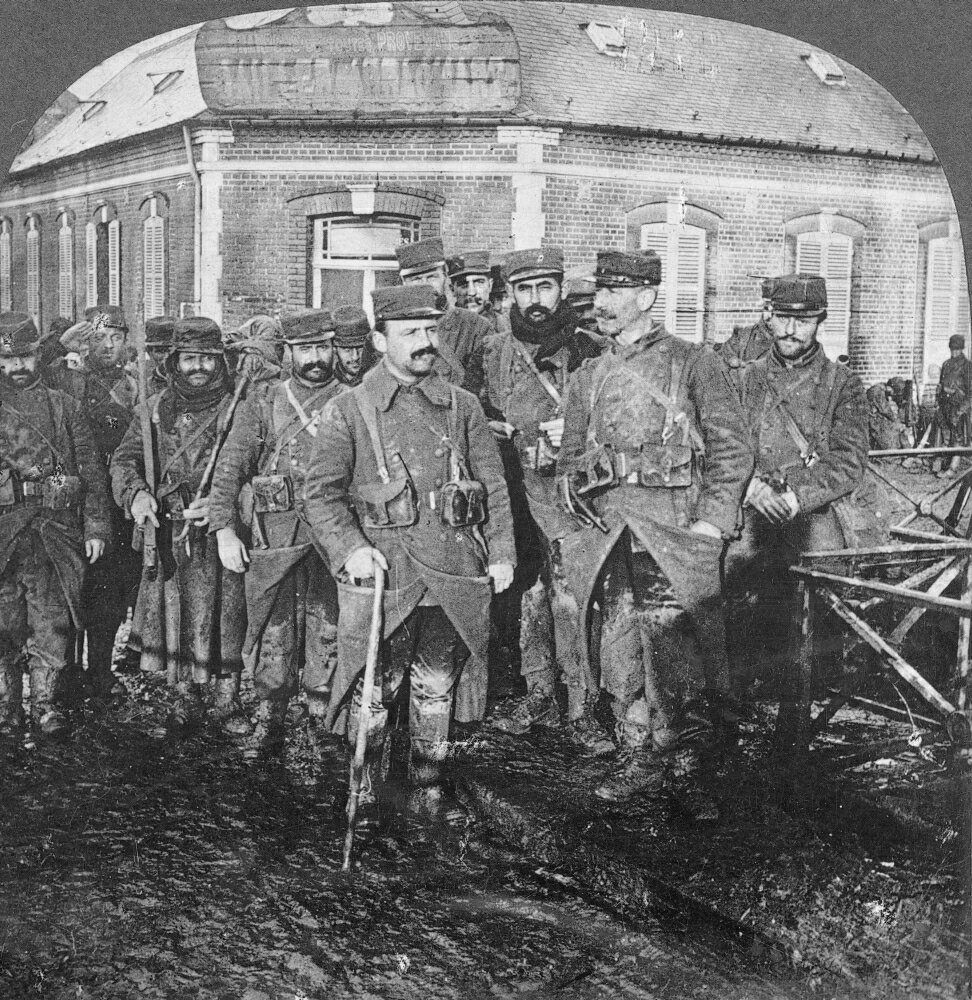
x=227, y=708
x=187, y=712
x=46, y=715
x=538, y=708
x=689, y=767
x=639, y=767
x=267, y=736
x=587, y=734
x=11, y=698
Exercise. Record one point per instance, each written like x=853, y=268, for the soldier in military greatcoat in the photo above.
x=186, y=418
x=405, y=479
x=655, y=447
x=54, y=524
x=471, y=278
x=291, y=598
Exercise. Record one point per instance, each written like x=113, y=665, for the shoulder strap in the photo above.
x=304, y=422
x=370, y=417
x=551, y=390
x=807, y=452
x=186, y=445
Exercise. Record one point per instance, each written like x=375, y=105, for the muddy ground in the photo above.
x=137, y=864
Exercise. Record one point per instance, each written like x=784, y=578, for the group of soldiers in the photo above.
x=582, y=489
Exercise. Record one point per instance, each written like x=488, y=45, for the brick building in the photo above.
x=276, y=160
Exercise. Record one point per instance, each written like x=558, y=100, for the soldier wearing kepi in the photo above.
x=405, y=478
x=158, y=345
x=353, y=353
x=809, y=423
x=186, y=417
x=526, y=378
x=954, y=400
x=471, y=278
x=461, y=333
x=749, y=343
x=53, y=521
x=291, y=599
x=639, y=422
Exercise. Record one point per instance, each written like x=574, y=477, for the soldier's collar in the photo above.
x=651, y=336
x=801, y=362
x=381, y=387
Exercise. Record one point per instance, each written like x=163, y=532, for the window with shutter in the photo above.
x=681, y=296
x=91, y=265
x=153, y=266
x=33, y=272
x=65, y=269
x=6, y=283
x=114, y=263
x=946, y=297
x=830, y=255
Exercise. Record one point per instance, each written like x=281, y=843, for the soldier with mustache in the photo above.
x=471, y=278
x=354, y=354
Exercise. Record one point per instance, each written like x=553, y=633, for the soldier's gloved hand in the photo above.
x=706, y=528
x=364, y=563
x=554, y=429
x=502, y=576
x=93, y=548
x=74, y=336
x=232, y=551
x=501, y=430
x=144, y=508
x=763, y=498
x=198, y=512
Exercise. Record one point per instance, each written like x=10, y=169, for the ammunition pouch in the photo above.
x=596, y=470
x=60, y=492
x=272, y=494
x=389, y=505
x=665, y=465
x=462, y=503
x=173, y=499
x=541, y=457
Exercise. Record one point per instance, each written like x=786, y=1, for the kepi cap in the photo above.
x=799, y=295
x=18, y=335
x=307, y=326
x=542, y=262
x=159, y=331
x=956, y=342
x=419, y=257
x=405, y=302
x=103, y=317
x=634, y=269
x=471, y=262
x=197, y=335
x=351, y=326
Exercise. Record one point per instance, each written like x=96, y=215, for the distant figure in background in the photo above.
x=749, y=343
x=954, y=401
x=472, y=284
x=353, y=351
x=255, y=350
x=884, y=426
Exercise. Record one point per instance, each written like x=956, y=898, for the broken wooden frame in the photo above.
x=842, y=584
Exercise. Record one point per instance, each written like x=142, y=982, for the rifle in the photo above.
x=150, y=553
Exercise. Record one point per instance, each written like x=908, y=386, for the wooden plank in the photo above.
x=964, y=636
x=913, y=581
x=961, y=544
x=938, y=545
x=917, y=452
x=914, y=615
x=890, y=656
x=963, y=609
x=793, y=722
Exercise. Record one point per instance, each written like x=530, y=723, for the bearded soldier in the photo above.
x=809, y=423
x=638, y=423
x=186, y=417
x=526, y=378
x=471, y=278
x=53, y=519
x=405, y=478
x=291, y=600
x=461, y=333
x=353, y=353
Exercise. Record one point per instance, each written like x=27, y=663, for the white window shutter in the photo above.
x=91, y=265
x=33, y=275
x=938, y=292
x=689, y=277
x=114, y=263
x=153, y=266
x=65, y=272
x=831, y=256
x=654, y=236
x=6, y=287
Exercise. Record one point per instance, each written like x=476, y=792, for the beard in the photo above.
x=315, y=372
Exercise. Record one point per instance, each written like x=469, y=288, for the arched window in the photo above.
x=153, y=257
x=103, y=258
x=946, y=289
x=65, y=265
x=34, y=269
x=6, y=257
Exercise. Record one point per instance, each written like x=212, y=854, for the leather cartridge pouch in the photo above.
x=173, y=500
x=665, y=465
x=462, y=503
x=595, y=470
x=8, y=488
x=389, y=505
x=61, y=492
x=272, y=494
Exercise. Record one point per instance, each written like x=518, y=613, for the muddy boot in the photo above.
x=267, y=737
x=101, y=684
x=368, y=815
x=587, y=734
x=688, y=771
x=227, y=709
x=538, y=708
x=187, y=712
x=45, y=713
x=11, y=698
x=639, y=767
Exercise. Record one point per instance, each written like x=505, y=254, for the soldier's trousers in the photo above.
x=301, y=633
x=33, y=612
x=651, y=657
x=428, y=646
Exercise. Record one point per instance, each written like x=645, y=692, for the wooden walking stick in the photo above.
x=364, y=715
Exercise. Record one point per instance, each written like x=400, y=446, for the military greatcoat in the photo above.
x=289, y=590
x=429, y=562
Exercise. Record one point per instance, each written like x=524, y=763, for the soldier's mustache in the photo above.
x=423, y=351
